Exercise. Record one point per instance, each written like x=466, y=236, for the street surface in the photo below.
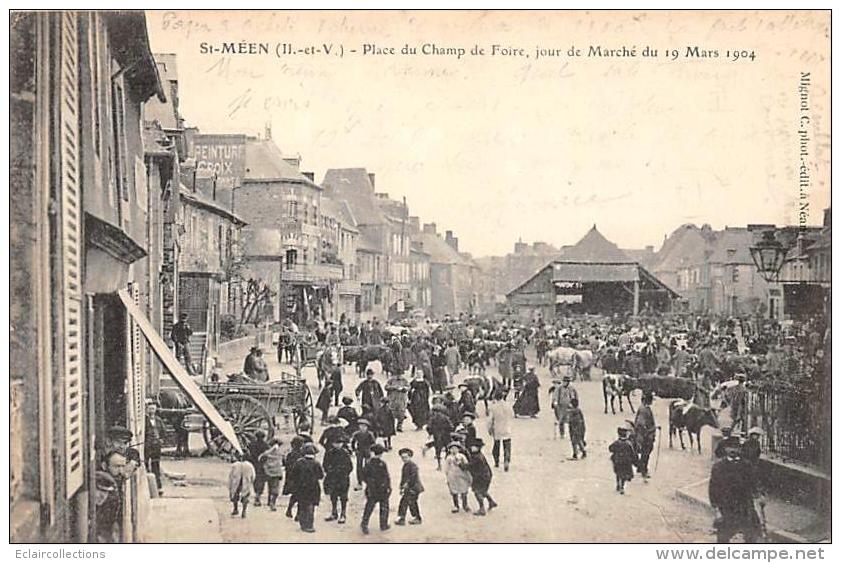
x=545, y=497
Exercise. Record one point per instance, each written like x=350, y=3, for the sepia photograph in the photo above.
x=420, y=277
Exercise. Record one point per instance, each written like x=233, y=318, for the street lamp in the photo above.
x=768, y=255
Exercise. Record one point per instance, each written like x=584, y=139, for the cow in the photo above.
x=692, y=418
x=612, y=387
x=362, y=355
x=663, y=386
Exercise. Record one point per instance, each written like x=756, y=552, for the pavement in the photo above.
x=545, y=497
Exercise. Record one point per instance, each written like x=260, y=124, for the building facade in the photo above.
x=80, y=233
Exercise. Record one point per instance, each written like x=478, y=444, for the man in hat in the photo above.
x=306, y=475
x=645, y=432
x=118, y=438
x=397, y=389
x=736, y=398
x=752, y=449
x=255, y=365
x=732, y=490
x=337, y=469
x=153, y=437
x=562, y=395
x=500, y=416
x=410, y=489
x=347, y=413
x=481, y=475
x=361, y=443
x=180, y=335
x=333, y=433
x=439, y=428
x=369, y=391
x=728, y=439
x=466, y=401
x=377, y=488
x=256, y=448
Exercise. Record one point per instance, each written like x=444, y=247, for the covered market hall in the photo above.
x=592, y=277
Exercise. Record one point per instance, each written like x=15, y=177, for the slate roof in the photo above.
x=264, y=163
x=340, y=210
x=354, y=186
x=737, y=239
x=687, y=246
x=584, y=272
x=439, y=251
x=593, y=247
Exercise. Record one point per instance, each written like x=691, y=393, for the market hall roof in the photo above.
x=594, y=247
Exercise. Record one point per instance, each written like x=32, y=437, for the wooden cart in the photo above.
x=278, y=406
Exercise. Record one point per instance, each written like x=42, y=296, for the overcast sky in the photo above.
x=504, y=147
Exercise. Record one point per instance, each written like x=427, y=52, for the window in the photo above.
x=119, y=137
x=735, y=274
x=94, y=41
x=292, y=210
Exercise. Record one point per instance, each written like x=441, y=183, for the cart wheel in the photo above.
x=306, y=413
x=246, y=414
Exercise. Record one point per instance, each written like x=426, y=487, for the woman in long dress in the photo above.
x=419, y=392
x=528, y=403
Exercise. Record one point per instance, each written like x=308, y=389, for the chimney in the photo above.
x=371, y=178
x=381, y=196
x=451, y=240
x=309, y=176
x=268, y=130
x=827, y=217
x=649, y=248
x=429, y=229
x=520, y=247
x=414, y=223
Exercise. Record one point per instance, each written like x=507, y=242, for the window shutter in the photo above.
x=138, y=361
x=71, y=251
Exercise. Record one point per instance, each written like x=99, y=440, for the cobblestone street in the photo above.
x=544, y=497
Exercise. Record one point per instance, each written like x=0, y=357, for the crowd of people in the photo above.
x=437, y=377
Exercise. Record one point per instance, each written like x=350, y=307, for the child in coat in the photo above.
x=577, y=429
x=624, y=457
x=272, y=461
x=240, y=483
x=457, y=470
x=410, y=489
x=337, y=468
x=481, y=475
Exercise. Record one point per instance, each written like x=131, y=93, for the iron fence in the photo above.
x=794, y=417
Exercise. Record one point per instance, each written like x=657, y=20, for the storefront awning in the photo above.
x=179, y=374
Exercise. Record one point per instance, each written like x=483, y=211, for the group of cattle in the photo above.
x=684, y=413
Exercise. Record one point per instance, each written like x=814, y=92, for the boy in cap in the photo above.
x=624, y=456
x=337, y=468
x=333, y=433
x=577, y=429
x=481, y=475
x=377, y=488
x=271, y=461
x=306, y=475
x=410, y=489
x=467, y=428
x=732, y=490
x=361, y=443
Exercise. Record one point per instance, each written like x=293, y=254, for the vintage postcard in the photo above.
x=420, y=276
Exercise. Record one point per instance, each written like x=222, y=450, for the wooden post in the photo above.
x=636, y=297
